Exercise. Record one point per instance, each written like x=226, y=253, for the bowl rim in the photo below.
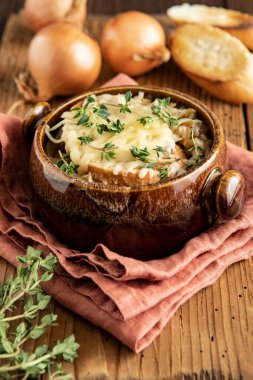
x=178, y=96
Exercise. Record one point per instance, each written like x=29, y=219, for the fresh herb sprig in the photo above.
x=81, y=110
x=159, y=150
x=108, y=151
x=145, y=120
x=124, y=108
x=164, y=172
x=112, y=127
x=85, y=139
x=99, y=109
x=102, y=111
x=159, y=108
x=32, y=271
x=150, y=165
x=66, y=165
x=140, y=154
x=117, y=126
x=195, y=160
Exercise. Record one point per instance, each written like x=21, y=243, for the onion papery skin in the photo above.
x=40, y=13
x=62, y=60
x=132, y=34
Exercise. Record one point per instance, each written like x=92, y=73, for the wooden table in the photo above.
x=211, y=335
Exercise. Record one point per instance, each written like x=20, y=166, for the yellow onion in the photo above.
x=40, y=13
x=134, y=43
x=62, y=60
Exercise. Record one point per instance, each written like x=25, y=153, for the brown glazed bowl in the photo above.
x=144, y=222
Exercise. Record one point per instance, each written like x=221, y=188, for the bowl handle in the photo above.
x=34, y=117
x=223, y=194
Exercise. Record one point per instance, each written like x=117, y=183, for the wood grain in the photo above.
x=211, y=335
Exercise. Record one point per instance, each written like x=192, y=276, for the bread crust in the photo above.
x=106, y=175
x=243, y=32
x=234, y=91
x=228, y=78
x=236, y=23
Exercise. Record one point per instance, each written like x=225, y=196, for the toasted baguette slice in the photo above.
x=215, y=60
x=132, y=178
x=236, y=91
x=107, y=176
x=236, y=23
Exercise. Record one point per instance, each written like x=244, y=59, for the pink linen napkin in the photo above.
x=133, y=300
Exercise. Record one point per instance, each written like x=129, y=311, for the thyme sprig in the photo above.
x=140, y=154
x=112, y=127
x=81, y=110
x=32, y=271
x=159, y=150
x=124, y=108
x=117, y=126
x=66, y=165
x=159, y=108
x=196, y=160
x=85, y=120
x=108, y=151
x=145, y=120
x=164, y=171
x=102, y=111
x=149, y=165
x=85, y=139
x=144, y=156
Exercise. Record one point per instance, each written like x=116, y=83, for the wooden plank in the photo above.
x=249, y=118
x=211, y=335
x=157, y=6
x=6, y=8
x=245, y=6
x=242, y=6
x=92, y=362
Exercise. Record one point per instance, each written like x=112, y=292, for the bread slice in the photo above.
x=131, y=178
x=236, y=23
x=214, y=60
x=106, y=175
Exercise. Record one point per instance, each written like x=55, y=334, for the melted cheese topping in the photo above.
x=150, y=135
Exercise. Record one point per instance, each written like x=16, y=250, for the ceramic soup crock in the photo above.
x=144, y=222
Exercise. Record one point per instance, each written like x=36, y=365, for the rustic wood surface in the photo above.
x=211, y=335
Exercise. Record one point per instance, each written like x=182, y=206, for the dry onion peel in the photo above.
x=40, y=13
x=134, y=43
x=62, y=60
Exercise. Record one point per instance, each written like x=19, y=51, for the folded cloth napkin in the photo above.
x=133, y=300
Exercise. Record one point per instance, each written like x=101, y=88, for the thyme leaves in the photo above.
x=164, y=172
x=195, y=161
x=140, y=154
x=17, y=360
x=66, y=165
x=102, y=111
x=159, y=109
x=81, y=110
x=145, y=120
x=124, y=108
x=159, y=150
x=112, y=127
x=108, y=151
x=85, y=139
